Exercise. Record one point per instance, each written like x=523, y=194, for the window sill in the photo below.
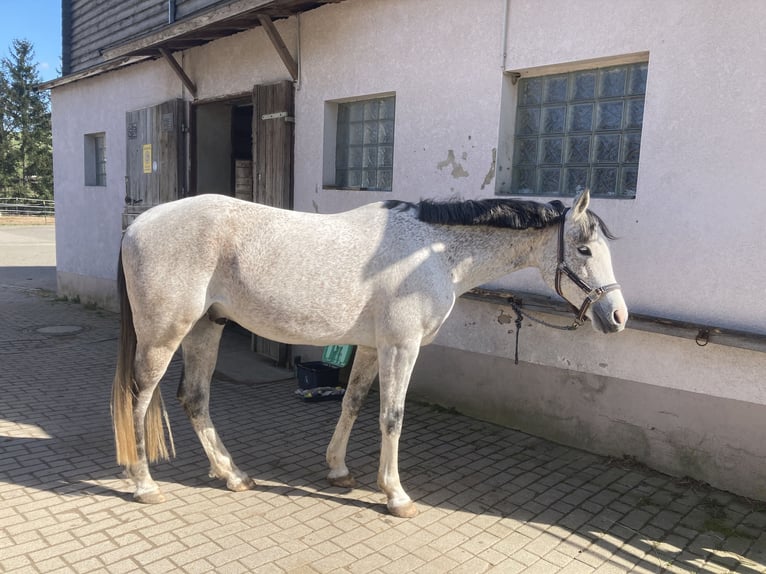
x=340, y=188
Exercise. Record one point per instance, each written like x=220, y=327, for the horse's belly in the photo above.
x=347, y=301
x=304, y=324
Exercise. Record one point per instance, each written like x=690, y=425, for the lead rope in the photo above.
x=519, y=319
x=520, y=315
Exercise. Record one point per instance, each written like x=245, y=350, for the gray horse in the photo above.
x=383, y=277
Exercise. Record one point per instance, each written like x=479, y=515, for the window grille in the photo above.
x=100, y=148
x=95, y=159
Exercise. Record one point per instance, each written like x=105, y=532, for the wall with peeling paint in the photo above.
x=447, y=94
x=696, y=224
x=690, y=244
x=676, y=406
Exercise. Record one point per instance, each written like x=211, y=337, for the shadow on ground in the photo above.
x=490, y=490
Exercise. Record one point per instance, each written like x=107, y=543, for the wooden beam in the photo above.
x=279, y=45
x=188, y=25
x=91, y=72
x=170, y=59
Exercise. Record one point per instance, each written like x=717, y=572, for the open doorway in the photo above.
x=223, y=148
x=243, y=147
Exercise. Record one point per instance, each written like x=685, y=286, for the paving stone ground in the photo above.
x=491, y=499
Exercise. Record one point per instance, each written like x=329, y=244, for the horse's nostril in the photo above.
x=620, y=316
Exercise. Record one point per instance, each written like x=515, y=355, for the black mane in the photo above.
x=509, y=213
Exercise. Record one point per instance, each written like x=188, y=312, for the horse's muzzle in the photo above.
x=607, y=318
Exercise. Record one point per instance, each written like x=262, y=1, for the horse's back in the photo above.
x=292, y=276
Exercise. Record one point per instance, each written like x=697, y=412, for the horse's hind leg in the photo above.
x=362, y=374
x=150, y=365
x=200, y=350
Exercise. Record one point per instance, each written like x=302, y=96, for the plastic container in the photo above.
x=324, y=373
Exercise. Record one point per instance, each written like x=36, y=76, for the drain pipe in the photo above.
x=171, y=11
x=504, y=50
x=298, y=50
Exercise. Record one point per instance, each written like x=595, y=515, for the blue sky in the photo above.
x=38, y=21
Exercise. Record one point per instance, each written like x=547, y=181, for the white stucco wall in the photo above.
x=690, y=241
x=89, y=223
x=235, y=64
x=89, y=227
x=687, y=241
x=689, y=246
x=442, y=60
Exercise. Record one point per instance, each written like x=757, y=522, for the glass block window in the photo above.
x=364, y=152
x=580, y=129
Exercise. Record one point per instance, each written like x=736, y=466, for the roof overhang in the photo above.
x=90, y=72
x=206, y=26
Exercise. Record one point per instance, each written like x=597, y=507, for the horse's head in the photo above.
x=583, y=272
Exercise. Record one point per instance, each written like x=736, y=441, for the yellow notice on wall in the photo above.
x=147, y=152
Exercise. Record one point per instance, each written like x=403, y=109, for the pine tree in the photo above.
x=4, y=143
x=26, y=165
x=6, y=152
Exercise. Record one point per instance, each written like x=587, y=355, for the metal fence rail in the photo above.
x=26, y=206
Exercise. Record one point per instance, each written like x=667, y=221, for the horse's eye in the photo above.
x=583, y=250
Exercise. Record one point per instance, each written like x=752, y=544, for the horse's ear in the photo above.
x=580, y=204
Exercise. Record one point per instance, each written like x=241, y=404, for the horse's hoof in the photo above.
x=408, y=510
x=153, y=497
x=241, y=485
x=347, y=481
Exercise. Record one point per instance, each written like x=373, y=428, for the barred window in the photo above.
x=100, y=142
x=579, y=129
x=95, y=159
x=364, y=150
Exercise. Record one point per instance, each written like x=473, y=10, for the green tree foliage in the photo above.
x=26, y=159
x=6, y=154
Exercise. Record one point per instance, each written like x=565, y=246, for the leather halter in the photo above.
x=591, y=294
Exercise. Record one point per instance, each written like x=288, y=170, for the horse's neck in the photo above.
x=483, y=254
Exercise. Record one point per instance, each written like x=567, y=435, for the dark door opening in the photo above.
x=243, y=147
x=223, y=148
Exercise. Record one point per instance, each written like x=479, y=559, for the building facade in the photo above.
x=653, y=105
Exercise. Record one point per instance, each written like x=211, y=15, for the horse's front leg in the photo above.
x=200, y=350
x=362, y=374
x=396, y=364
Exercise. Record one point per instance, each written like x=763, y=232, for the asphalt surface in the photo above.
x=28, y=256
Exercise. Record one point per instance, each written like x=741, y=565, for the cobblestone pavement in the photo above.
x=491, y=499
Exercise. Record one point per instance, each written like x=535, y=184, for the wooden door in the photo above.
x=156, y=157
x=273, y=122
